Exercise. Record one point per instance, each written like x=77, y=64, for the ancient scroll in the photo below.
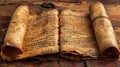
x=103, y=31
x=13, y=41
x=31, y=34
x=76, y=36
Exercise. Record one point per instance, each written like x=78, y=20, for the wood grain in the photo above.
x=68, y=63
x=71, y=1
x=29, y=64
x=101, y=63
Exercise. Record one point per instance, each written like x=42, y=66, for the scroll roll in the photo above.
x=13, y=41
x=103, y=30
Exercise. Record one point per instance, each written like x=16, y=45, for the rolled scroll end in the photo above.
x=111, y=52
x=13, y=41
x=10, y=52
x=104, y=32
x=97, y=9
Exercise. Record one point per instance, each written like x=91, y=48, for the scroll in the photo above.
x=76, y=36
x=31, y=34
x=103, y=31
x=13, y=41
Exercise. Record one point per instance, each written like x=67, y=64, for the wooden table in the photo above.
x=6, y=11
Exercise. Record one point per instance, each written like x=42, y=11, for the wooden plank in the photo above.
x=33, y=63
x=69, y=63
x=70, y=1
x=75, y=1
x=101, y=63
x=30, y=63
x=42, y=61
x=48, y=64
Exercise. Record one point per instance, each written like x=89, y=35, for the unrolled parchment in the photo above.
x=76, y=36
x=31, y=34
